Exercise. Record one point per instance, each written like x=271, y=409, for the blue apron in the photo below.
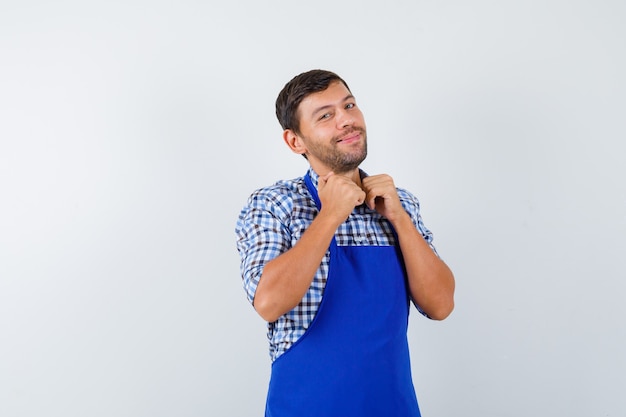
x=353, y=360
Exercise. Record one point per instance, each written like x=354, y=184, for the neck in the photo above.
x=354, y=175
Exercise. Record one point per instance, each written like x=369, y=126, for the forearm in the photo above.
x=431, y=282
x=286, y=278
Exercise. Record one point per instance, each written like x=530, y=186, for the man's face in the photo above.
x=332, y=130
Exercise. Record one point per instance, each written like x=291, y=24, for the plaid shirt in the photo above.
x=272, y=222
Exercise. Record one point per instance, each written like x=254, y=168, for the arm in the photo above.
x=431, y=282
x=286, y=278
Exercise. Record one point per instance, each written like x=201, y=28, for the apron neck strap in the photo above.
x=312, y=190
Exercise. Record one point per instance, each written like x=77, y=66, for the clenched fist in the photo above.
x=381, y=195
x=339, y=195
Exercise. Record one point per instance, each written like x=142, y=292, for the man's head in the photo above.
x=322, y=122
x=296, y=90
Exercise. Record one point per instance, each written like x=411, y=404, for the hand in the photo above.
x=339, y=195
x=381, y=195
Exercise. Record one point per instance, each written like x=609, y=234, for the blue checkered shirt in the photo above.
x=272, y=222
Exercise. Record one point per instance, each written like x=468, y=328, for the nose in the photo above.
x=344, y=119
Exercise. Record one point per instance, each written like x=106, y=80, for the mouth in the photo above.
x=350, y=137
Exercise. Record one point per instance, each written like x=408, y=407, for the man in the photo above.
x=332, y=260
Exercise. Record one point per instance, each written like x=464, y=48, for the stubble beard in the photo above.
x=341, y=162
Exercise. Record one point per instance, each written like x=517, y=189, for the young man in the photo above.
x=332, y=260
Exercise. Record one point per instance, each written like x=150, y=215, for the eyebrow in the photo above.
x=327, y=106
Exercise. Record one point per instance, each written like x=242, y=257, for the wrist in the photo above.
x=401, y=221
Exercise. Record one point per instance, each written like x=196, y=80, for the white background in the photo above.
x=132, y=133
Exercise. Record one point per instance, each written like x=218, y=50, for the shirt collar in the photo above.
x=315, y=178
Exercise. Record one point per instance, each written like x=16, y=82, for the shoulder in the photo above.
x=412, y=206
x=279, y=198
x=409, y=201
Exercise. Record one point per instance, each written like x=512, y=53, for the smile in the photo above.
x=351, y=137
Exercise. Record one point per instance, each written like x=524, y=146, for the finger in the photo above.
x=360, y=199
x=327, y=176
x=370, y=200
x=323, y=180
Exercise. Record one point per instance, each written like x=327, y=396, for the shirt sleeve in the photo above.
x=412, y=206
x=262, y=235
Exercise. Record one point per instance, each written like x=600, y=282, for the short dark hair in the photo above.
x=296, y=90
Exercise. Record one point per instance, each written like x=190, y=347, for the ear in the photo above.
x=294, y=142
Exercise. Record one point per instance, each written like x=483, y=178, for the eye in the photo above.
x=325, y=116
x=350, y=106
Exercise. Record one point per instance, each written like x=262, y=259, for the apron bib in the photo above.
x=353, y=360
